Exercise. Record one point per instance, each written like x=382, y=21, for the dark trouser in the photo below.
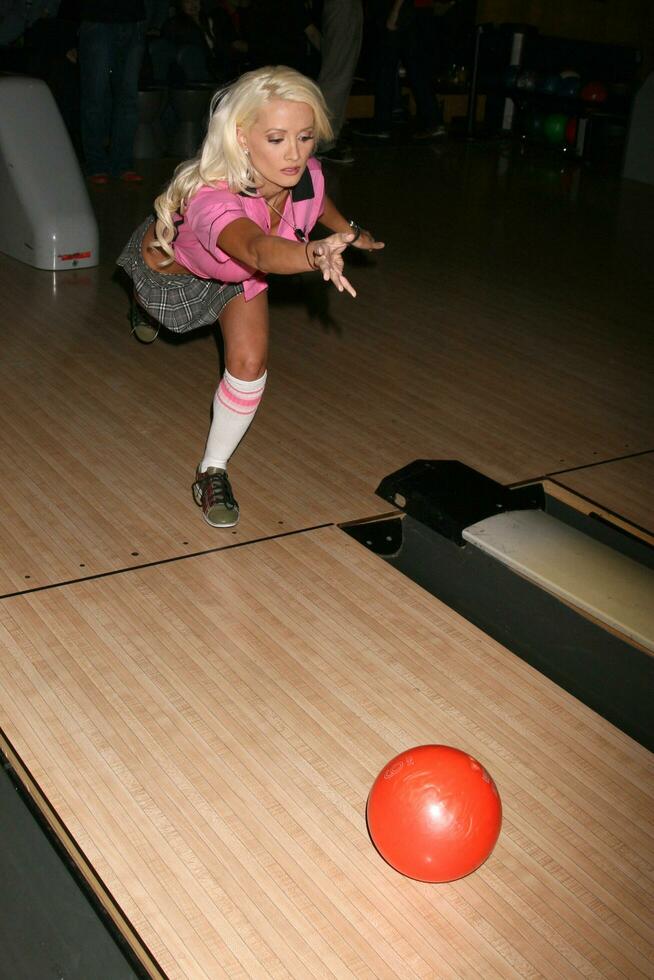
x=342, y=32
x=405, y=46
x=110, y=57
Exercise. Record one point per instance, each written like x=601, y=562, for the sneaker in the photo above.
x=439, y=132
x=213, y=493
x=339, y=153
x=144, y=327
x=374, y=133
x=98, y=179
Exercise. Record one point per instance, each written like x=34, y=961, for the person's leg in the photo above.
x=127, y=55
x=342, y=33
x=425, y=27
x=388, y=60
x=418, y=71
x=94, y=80
x=162, y=55
x=244, y=327
x=193, y=63
x=144, y=327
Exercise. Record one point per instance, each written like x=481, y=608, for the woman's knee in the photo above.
x=246, y=365
x=245, y=332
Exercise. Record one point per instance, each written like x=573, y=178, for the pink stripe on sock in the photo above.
x=242, y=391
x=252, y=397
x=241, y=402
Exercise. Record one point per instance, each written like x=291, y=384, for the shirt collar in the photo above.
x=303, y=190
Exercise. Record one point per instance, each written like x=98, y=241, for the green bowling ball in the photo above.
x=554, y=127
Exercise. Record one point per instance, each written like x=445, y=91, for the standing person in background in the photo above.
x=275, y=40
x=400, y=25
x=342, y=33
x=186, y=49
x=111, y=46
x=233, y=20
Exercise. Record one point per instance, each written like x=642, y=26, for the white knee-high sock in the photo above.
x=234, y=405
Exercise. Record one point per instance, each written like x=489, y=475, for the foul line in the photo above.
x=588, y=466
x=161, y=561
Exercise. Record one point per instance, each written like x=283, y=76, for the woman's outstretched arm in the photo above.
x=244, y=241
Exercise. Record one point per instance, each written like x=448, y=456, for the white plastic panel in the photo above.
x=614, y=589
x=46, y=216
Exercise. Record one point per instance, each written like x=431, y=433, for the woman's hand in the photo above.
x=326, y=255
x=366, y=241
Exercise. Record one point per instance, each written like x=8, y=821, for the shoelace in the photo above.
x=215, y=489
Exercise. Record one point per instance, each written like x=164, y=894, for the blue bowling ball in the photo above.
x=536, y=124
x=527, y=81
x=569, y=86
x=550, y=84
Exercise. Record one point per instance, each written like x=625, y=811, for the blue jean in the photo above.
x=110, y=57
x=404, y=45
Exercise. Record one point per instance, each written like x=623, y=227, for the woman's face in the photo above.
x=279, y=142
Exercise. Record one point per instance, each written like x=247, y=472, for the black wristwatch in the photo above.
x=356, y=229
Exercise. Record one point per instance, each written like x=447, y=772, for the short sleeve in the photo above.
x=210, y=211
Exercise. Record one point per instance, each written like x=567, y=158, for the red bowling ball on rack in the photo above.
x=594, y=93
x=434, y=813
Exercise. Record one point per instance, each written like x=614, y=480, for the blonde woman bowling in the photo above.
x=240, y=210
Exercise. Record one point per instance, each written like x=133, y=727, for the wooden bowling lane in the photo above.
x=473, y=337
x=621, y=487
x=208, y=730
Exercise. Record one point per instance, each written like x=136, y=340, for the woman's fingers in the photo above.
x=329, y=261
x=347, y=285
x=341, y=282
x=340, y=238
x=333, y=246
x=332, y=273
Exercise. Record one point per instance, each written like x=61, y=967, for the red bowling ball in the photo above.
x=594, y=92
x=571, y=130
x=434, y=813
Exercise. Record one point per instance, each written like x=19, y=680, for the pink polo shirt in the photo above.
x=212, y=208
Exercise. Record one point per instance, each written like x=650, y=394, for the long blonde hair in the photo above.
x=221, y=156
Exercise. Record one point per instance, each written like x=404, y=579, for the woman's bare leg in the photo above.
x=245, y=333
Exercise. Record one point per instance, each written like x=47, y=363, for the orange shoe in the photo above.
x=131, y=177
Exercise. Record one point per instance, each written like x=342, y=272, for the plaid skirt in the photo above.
x=179, y=303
